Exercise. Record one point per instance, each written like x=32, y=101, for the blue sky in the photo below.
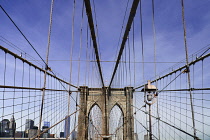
x=32, y=17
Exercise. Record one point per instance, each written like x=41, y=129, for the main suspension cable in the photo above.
x=126, y=33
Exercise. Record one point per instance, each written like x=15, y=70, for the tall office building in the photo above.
x=32, y=132
x=74, y=135
x=61, y=134
x=146, y=137
x=5, y=128
x=47, y=124
x=136, y=136
x=67, y=127
x=29, y=124
x=12, y=126
x=0, y=129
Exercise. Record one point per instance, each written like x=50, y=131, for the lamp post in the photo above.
x=150, y=95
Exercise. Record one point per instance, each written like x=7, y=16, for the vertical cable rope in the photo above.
x=93, y=37
x=72, y=40
x=154, y=35
x=78, y=78
x=46, y=67
x=86, y=56
x=35, y=77
x=94, y=9
x=71, y=53
x=89, y=67
x=142, y=53
x=134, y=75
x=155, y=69
x=118, y=45
x=5, y=69
x=202, y=102
x=29, y=85
x=129, y=60
x=126, y=73
x=22, y=83
x=81, y=30
x=142, y=41
x=49, y=32
x=188, y=69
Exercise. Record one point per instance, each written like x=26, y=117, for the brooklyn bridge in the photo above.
x=105, y=70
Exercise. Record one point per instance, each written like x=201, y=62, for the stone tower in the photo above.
x=106, y=99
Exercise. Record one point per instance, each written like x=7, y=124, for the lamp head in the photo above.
x=150, y=93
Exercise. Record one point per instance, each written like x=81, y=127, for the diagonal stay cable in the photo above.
x=93, y=35
x=179, y=69
x=47, y=67
x=167, y=123
x=31, y=64
x=22, y=34
x=54, y=125
x=127, y=30
x=145, y=127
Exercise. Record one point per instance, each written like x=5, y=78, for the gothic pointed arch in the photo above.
x=94, y=122
x=116, y=122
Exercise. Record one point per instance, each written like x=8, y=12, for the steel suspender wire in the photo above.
x=188, y=69
x=202, y=102
x=46, y=67
x=93, y=36
x=22, y=77
x=86, y=56
x=126, y=70
x=134, y=75
x=154, y=36
x=22, y=33
x=71, y=53
x=118, y=44
x=89, y=57
x=72, y=40
x=49, y=33
x=31, y=44
x=97, y=35
x=129, y=60
x=78, y=78
x=126, y=33
x=15, y=65
x=155, y=67
x=142, y=53
x=5, y=69
x=28, y=41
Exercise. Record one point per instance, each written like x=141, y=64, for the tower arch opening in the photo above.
x=116, y=122
x=94, y=123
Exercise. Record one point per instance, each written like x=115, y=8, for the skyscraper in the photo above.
x=47, y=124
x=12, y=126
x=29, y=124
x=0, y=129
x=67, y=127
x=61, y=134
x=5, y=128
x=74, y=135
x=32, y=132
x=136, y=136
